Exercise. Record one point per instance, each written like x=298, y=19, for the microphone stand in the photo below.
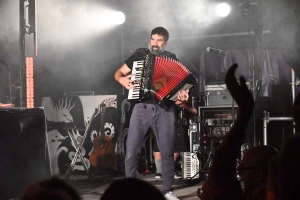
x=222, y=68
x=255, y=40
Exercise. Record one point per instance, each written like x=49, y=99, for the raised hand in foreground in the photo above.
x=222, y=182
x=239, y=91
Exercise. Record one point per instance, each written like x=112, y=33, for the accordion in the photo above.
x=159, y=77
x=190, y=165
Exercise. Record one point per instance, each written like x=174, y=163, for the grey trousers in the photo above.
x=162, y=122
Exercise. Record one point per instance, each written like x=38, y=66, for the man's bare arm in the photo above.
x=122, y=77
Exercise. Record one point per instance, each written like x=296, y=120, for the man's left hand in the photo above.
x=182, y=96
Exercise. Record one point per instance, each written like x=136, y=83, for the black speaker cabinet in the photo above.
x=24, y=156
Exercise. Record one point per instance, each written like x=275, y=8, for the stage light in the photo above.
x=30, y=82
x=223, y=9
x=119, y=17
x=115, y=18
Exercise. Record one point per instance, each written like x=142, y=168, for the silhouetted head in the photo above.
x=50, y=189
x=254, y=166
x=131, y=189
x=289, y=169
x=214, y=190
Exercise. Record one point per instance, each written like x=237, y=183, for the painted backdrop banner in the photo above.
x=71, y=115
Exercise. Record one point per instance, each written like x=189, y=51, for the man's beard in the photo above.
x=160, y=50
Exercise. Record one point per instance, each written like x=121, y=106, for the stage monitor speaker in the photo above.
x=24, y=156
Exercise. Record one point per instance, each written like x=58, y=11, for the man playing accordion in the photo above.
x=149, y=113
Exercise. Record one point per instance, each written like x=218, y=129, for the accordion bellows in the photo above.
x=167, y=74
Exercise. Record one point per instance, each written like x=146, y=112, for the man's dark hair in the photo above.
x=161, y=31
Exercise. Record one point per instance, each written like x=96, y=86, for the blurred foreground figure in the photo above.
x=284, y=176
x=53, y=188
x=132, y=189
x=222, y=182
x=254, y=169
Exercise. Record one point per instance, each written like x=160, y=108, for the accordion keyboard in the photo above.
x=137, y=67
x=190, y=167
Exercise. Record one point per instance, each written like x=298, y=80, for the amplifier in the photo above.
x=219, y=100
x=223, y=120
x=24, y=151
x=217, y=94
x=217, y=88
x=216, y=121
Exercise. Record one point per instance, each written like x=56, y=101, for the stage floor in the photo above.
x=93, y=191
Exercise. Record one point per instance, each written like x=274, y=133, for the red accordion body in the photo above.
x=167, y=74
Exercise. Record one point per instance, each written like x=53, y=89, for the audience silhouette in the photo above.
x=131, y=189
x=254, y=170
x=50, y=189
x=284, y=176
